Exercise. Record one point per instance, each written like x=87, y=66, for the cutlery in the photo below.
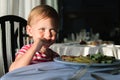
x=79, y=73
x=111, y=71
x=97, y=77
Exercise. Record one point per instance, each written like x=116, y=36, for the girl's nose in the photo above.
x=47, y=35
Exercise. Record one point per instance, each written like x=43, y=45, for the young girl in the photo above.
x=42, y=26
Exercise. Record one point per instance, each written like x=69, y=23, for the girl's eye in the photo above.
x=42, y=29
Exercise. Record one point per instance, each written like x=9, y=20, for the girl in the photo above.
x=42, y=26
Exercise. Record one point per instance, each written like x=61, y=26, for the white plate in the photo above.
x=58, y=59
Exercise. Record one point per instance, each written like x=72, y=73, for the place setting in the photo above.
x=97, y=66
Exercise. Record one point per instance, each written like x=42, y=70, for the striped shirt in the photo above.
x=38, y=57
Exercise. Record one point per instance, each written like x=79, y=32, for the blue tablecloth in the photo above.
x=54, y=71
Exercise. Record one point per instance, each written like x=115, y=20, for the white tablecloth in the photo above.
x=76, y=49
x=55, y=71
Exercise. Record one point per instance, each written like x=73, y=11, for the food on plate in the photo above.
x=100, y=58
x=79, y=59
x=93, y=58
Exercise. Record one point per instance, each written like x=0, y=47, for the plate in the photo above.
x=58, y=59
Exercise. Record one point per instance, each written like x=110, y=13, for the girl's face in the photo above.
x=43, y=29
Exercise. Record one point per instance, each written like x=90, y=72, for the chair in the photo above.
x=12, y=37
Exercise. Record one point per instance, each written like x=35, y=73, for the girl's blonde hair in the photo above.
x=44, y=11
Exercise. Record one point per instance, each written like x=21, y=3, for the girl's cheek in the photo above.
x=41, y=34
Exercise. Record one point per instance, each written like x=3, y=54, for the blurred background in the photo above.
x=99, y=17
x=80, y=19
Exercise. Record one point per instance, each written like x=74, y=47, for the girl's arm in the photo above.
x=25, y=59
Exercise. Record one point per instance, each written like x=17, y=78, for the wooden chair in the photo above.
x=12, y=37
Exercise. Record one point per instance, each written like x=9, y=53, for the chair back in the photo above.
x=12, y=37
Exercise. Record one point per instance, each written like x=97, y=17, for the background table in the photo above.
x=76, y=49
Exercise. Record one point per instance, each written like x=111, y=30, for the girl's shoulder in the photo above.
x=23, y=49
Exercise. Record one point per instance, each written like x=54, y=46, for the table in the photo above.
x=55, y=71
x=75, y=49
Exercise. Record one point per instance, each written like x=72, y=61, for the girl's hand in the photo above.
x=42, y=42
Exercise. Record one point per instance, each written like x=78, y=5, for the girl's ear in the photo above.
x=28, y=29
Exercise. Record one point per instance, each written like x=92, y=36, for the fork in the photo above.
x=80, y=73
